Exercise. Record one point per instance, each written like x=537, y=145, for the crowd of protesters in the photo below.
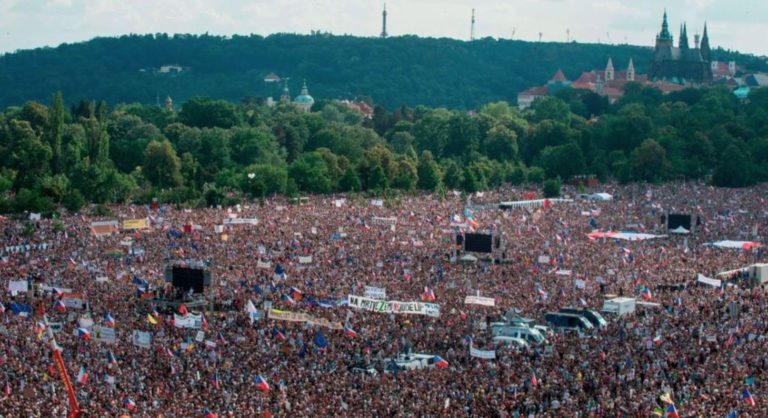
x=701, y=350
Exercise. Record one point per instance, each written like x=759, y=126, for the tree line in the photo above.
x=217, y=152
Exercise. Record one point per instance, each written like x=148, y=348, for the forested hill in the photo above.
x=392, y=72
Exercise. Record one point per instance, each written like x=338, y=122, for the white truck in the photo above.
x=619, y=306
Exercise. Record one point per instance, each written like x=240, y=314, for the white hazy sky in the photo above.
x=733, y=24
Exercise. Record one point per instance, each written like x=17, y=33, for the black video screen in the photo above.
x=479, y=243
x=187, y=278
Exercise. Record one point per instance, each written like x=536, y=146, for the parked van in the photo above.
x=568, y=321
x=530, y=335
x=592, y=316
x=511, y=342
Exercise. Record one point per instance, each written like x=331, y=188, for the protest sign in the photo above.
x=104, y=334
x=479, y=300
x=18, y=286
x=581, y=284
x=141, y=339
x=187, y=321
x=375, y=292
x=413, y=308
x=483, y=354
x=142, y=223
x=241, y=221
x=305, y=259
x=302, y=317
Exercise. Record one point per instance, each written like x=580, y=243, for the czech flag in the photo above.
x=582, y=302
x=204, y=323
x=82, y=376
x=209, y=414
x=109, y=320
x=216, y=381
x=672, y=411
x=276, y=333
x=261, y=384
x=657, y=340
x=2, y=308
x=428, y=294
x=221, y=339
x=534, y=380
x=646, y=293
x=167, y=351
x=59, y=306
x=84, y=333
x=295, y=294
x=747, y=398
x=287, y=299
x=130, y=404
x=183, y=309
x=58, y=293
x=349, y=332
x=439, y=362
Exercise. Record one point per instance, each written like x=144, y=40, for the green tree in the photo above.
x=501, y=143
x=162, y=167
x=350, y=181
x=649, y=161
x=563, y=160
x=733, y=170
x=552, y=188
x=55, y=131
x=202, y=112
x=264, y=179
x=428, y=172
x=310, y=173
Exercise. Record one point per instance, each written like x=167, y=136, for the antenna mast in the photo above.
x=472, y=31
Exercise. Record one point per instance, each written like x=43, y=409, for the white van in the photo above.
x=530, y=335
x=512, y=342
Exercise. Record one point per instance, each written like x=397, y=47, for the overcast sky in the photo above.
x=733, y=24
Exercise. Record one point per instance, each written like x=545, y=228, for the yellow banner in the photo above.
x=135, y=224
x=302, y=317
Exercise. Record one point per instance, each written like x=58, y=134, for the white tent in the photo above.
x=680, y=230
x=468, y=258
x=602, y=196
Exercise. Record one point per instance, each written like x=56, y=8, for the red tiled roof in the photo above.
x=535, y=91
x=559, y=76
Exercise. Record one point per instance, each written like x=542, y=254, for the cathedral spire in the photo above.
x=664, y=35
x=684, y=37
x=705, y=51
x=631, y=70
x=609, y=70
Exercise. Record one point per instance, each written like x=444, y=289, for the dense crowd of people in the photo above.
x=700, y=350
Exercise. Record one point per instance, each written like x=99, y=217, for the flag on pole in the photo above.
x=82, y=376
x=428, y=294
x=748, y=398
x=109, y=320
x=672, y=411
x=440, y=362
x=59, y=306
x=84, y=333
x=349, y=332
x=261, y=383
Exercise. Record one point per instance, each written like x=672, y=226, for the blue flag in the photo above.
x=320, y=340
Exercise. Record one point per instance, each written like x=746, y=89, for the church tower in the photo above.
x=664, y=38
x=683, y=37
x=631, y=70
x=610, y=73
x=706, y=54
x=169, y=104
x=384, y=22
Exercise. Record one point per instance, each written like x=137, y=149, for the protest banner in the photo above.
x=302, y=317
x=581, y=284
x=479, y=300
x=241, y=221
x=263, y=264
x=305, y=259
x=384, y=221
x=543, y=259
x=141, y=339
x=375, y=292
x=188, y=321
x=377, y=202
x=18, y=286
x=74, y=301
x=218, y=229
x=104, y=334
x=412, y=308
x=483, y=354
x=34, y=216
x=708, y=281
x=102, y=228
x=129, y=224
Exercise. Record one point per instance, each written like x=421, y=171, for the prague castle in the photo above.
x=681, y=64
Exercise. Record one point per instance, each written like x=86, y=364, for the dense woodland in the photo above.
x=214, y=151
x=392, y=72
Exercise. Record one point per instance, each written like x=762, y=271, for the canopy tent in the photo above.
x=602, y=197
x=680, y=230
x=737, y=245
x=469, y=258
x=629, y=236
